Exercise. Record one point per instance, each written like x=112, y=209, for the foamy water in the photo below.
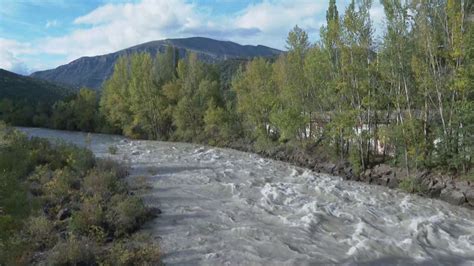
x=224, y=207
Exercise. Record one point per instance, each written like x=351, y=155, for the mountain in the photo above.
x=27, y=89
x=93, y=71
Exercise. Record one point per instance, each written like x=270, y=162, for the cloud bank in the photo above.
x=11, y=52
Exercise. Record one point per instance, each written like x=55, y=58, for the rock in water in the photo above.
x=453, y=196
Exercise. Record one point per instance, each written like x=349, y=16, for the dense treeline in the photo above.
x=73, y=112
x=166, y=98
x=59, y=205
x=407, y=98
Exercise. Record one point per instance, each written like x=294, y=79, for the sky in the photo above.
x=43, y=34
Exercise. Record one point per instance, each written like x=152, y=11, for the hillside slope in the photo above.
x=93, y=71
x=22, y=88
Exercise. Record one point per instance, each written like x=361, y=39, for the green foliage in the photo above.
x=113, y=149
x=256, y=97
x=125, y=214
x=216, y=122
x=410, y=185
x=89, y=216
x=187, y=119
x=79, y=160
x=110, y=166
x=289, y=122
x=138, y=249
x=85, y=109
x=355, y=161
x=162, y=98
x=103, y=184
x=50, y=190
x=468, y=177
x=77, y=113
x=143, y=96
x=222, y=124
x=16, y=87
x=115, y=100
x=74, y=251
x=408, y=137
x=26, y=101
x=40, y=231
x=107, y=209
x=136, y=98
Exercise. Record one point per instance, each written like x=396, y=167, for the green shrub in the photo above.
x=354, y=160
x=42, y=152
x=410, y=185
x=15, y=250
x=113, y=149
x=7, y=226
x=103, y=183
x=137, y=250
x=90, y=215
x=104, y=165
x=97, y=233
x=40, y=231
x=78, y=159
x=61, y=186
x=41, y=175
x=74, y=251
x=126, y=213
x=220, y=124
x=13, y=196
x=468, y=176
x=15, y=159
x=64, y=177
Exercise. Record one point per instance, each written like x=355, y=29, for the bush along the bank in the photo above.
x=61, y=205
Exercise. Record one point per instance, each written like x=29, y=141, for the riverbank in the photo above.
x=425, y=183
x=61, y=205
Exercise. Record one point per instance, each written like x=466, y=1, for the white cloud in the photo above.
x=275, y=18
x=271, y=16
x=51, y=23
x=10, y=55
x=24, y=58
x=117, y=26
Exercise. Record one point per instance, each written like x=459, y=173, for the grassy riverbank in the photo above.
x=61, y=205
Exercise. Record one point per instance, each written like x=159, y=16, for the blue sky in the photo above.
x=43, y=34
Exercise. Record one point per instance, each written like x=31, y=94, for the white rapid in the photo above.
x=222, y=206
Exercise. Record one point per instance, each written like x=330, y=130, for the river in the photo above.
x=225, y=207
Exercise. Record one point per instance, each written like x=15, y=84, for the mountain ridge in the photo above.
x=92, y=71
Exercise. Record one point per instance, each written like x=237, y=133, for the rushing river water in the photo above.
x=222, y=206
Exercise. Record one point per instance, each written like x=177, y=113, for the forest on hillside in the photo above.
x=406, y=97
